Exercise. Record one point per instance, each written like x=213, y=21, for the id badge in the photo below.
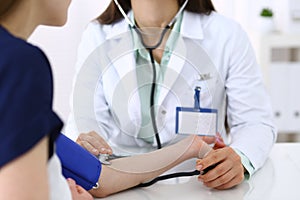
x=196, y=120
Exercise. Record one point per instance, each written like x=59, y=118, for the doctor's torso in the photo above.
x=201, y=57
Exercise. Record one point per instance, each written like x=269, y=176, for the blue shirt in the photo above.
x=26, y=92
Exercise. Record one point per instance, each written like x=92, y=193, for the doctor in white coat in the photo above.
x=112, y=86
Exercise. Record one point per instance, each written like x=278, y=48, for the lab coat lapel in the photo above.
x=121, y=55
x=178, y=58
x=176, y=63
x=121, y=52
x=192, y=20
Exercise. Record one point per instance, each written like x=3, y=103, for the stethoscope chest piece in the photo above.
x=104, y=159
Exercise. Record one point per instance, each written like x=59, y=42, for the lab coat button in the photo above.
x=163, y=112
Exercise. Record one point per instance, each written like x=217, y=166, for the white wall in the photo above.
x=60, y=44
x=246, y=12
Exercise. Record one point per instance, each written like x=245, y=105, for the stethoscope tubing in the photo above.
x=153, y=86
x=150, y=50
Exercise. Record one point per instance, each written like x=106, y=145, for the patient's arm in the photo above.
x=128, y=172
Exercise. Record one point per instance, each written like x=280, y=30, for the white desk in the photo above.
x=278, y=179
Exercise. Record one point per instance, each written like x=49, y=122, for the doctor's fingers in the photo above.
x=217, y=156
x=217, y=140
x=233, y=182
x=88, y=147
x=224, y=171
x=94, y=143
x=225, y=179
x=208, y=139
x=219, y=143
x=227, y=173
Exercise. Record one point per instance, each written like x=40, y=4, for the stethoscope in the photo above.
x=150, y=50
x=105, y=158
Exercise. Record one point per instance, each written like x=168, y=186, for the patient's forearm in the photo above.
x=128, y=172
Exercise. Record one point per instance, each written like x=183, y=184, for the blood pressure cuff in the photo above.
x=78, y=163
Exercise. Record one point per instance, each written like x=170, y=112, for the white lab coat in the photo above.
x=58, y=186
x=219, y=46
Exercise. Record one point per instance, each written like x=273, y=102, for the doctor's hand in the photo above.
x=228, y=172
x=94, y=143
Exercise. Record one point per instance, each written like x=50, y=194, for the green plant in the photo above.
x=266, y=12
